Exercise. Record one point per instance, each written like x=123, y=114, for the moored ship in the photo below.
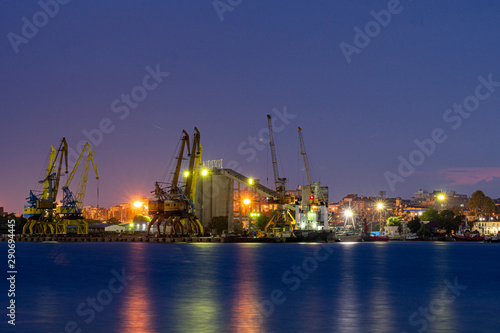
x=464, y=235
x=493, y=239
x=413, y=237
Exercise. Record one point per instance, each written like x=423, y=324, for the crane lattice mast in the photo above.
x=304, y=157
x=278, y=182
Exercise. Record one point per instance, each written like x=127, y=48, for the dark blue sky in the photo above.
x=225, y=76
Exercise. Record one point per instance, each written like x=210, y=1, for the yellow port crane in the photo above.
x=156, y=206
x=39, y=210
x=173, y=205
x=71, y=209
x=195, y=161
x=282, y=216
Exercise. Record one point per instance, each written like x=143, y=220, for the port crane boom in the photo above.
x=272, y=146
x=184, y=145
x=281, y=217
x=40, y=207
x=71, y=210
x=175, y=207
x=194, y=162
x=82, y=184
x=304, y=158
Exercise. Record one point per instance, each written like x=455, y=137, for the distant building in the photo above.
x=334, y=213
x=95, y=213
x=124, y=212
x=491, y=227
x=367, y=207
x=413, y=212
x=362, y=206
x=454, y=199
x=402, y=202
x=425, y=199
x=391, y=231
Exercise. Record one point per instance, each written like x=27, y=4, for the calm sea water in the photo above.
x=339, y=287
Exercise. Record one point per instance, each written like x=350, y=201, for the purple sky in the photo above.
x=360, y=117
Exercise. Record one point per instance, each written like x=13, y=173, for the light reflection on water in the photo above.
x=245, y=314
x=136, y=313
x=441, y=271
x=380, y=305
x=346, y=310
x=361, y=287
x=197, y=308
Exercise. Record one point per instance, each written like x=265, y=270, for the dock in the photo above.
x=151, y=239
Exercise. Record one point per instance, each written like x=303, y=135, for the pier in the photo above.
x=152, y=239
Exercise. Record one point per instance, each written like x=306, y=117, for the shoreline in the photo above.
x=188, y=239
x=150, y=239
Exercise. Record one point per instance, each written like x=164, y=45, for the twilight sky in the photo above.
x=362, y=91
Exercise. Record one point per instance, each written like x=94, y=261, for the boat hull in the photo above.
x=492, y=240
x=437, y=239
x=375, y=239
x=459, y=238
x=311, y=236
